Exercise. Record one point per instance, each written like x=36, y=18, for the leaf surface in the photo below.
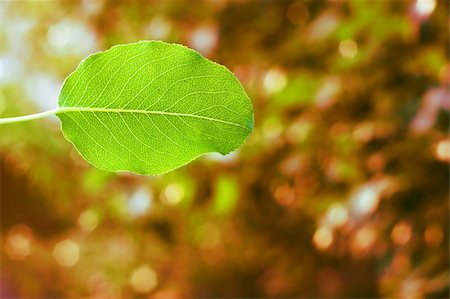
x=151, y=107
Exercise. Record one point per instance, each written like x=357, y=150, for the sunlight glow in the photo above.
x=2, y=69
x=443, y=150
x=64, y=38
x=43, y=89
x=11, y=68
x=139, y=202
x=365, y=200
x=425, y=8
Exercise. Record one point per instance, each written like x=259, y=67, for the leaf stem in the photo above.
x=17, y=119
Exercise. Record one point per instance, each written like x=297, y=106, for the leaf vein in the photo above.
x=114, y=74
x=93, y=139
x=117, y=141
x=93, y=110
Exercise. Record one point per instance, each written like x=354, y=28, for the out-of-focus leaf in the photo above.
x=226, y=195
x=300, y=90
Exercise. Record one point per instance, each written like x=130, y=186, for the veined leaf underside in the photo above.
x=172, y=106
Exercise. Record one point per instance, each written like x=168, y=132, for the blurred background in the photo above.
x=341, y=191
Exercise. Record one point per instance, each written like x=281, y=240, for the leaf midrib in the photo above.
x=117, y=110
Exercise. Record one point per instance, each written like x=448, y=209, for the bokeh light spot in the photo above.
x=2, y=69
x=284, y=194
x=17, y=246
x=443, y=150
x=425, y=8
x=66, y=253
x=322, y=26
x=365, y=200
x=43, y=89
x=323, y=237
x=328, y=91
x=88, y=220
x=139, y=202
x=337, y=215
x=401, y=233
x=204, y=39
x=64, y=38
x=173, y=194
x=348, y=48
x=299, y=131
x=274, y=81
x=272, y=129
x=143, y=279
x=363, y=240
x=159, y=28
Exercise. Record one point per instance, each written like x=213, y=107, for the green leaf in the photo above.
x=150, y=107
